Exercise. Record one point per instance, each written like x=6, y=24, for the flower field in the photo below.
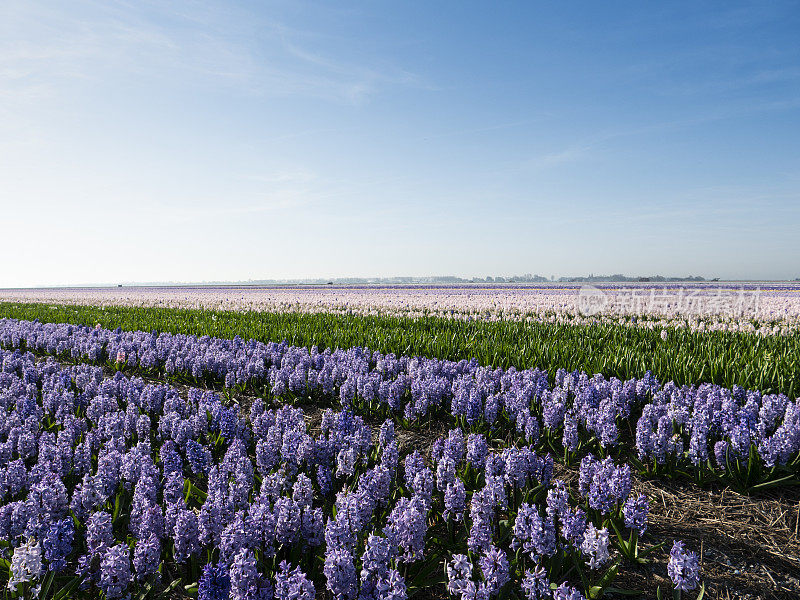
x=142, y=461
x=766, y=309
x=770, y=364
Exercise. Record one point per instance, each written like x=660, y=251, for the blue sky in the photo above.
x=188, y=141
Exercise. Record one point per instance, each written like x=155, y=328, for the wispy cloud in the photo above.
x=753, y=82
x=549, y=160
x=268, y=203
x=582, y=148
x=216, y=45
x=356, y=82
x=711, y=212
x=485, y=129
x=282, y=177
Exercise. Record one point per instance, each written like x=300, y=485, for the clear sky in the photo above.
x=188, y=141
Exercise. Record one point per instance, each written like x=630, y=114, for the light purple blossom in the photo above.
x=535, y=585
x=454, y=500
x=567, y=592
x=292, y=584
x=683, y=568
x=407, y=526
x=595, y=546
x=340, y=573
x=459, y=572
x=494, y=566
x=535, y=535
x=635, y=512
x=147, y=556
x=115, y=571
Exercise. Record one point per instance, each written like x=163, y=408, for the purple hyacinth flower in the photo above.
x=535, y=585
x=567, y=592
x=215, y=582
x=683, y=568
x=494, y=566
x=292, y=584
x=635, y=512
x=115, y=571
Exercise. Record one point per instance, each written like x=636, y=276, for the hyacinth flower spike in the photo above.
x=683, y=568
x=634, y=515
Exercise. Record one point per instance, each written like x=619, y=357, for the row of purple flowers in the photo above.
x=704, y=427
x=124, y=485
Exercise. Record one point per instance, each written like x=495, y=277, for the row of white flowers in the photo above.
x=764, y=310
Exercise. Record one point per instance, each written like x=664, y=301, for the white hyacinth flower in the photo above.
x=595, y=546
x=26, y=565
